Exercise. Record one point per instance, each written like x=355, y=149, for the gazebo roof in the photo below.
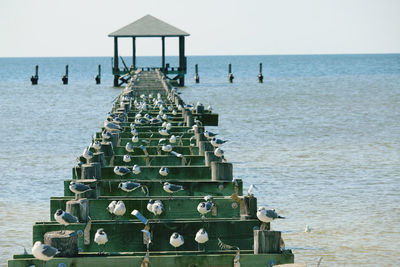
x=148, y=26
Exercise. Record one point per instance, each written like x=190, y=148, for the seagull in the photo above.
x=87, y=154
x=133, y=126
x=127, y=158
x=163, y=171
x=135, y=138
x=96, y=145
x=251, y=187
x=219, y=152
x=121, y=171
x=134, y=132
x=201, y=237
x=43, y=252
x=174, y=112
x=111, y=207
x=157, y=208
x=176, y=240
x=78, y=188
x=172, y=139
x=110, y=126
x=168, y=126
x=172, y=188
x=129, y=186
x=120, y=208
x=101, y=239
x=217, y=142
x=208, y=198
x=129, y=147
x=307, y=229
x=150, y=205
x=205, y=207
x=209, y=134
x=267, y=216
x=136, y=169
x=164, y=132
x=106, y=135
x=64, y=218
x=166, y=148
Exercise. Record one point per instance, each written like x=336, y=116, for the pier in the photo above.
x=190, y=163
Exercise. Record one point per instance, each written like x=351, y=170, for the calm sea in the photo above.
x=320, y=139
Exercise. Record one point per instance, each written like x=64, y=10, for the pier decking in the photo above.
x=232, y=225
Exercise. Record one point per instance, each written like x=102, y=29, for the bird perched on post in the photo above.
x=121, y=171
x=172, y=188
x=129, y=147
x=101, y=239
x=217, y=142
x=209, y=134
x=266, y=216
x=129, y=186
x=155, y=206
x=111, y=207
x=43, y=252
x=127, y=158
x=163, y=171
x=64, y=218
x=201, y=237
x=78, y=188
x=176, y=240
x=119, y=208
x=205, y=207
x=110, y=126
x=87, y=154
x=136, y=169
x=96, y=145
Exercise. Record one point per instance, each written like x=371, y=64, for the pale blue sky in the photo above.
x=218, y=27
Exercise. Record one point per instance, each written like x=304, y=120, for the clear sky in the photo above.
x=36, y=28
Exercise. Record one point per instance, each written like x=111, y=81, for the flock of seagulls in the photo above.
x=155, y=206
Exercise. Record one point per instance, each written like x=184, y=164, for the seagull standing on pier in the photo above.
x=266, y=216
x=156, y=207
x=176, y=240
x=127, y=158
x=110, y=126
x=217, y=142
x=172, y=188
x=111, y=207
x=205, y=207
x=201, y=237
x=163, y=171
x=129, y=147
x=219, y=153
x=120, y=208
x=166, y=148
x=135, y=138
x=136, y=169
x=209, y=134
x=129, y=186
x=78, y=188
x=172, y=139
x=43, y=252
x=87, y=154
x=96, y=145
x=121, y=171
x=164, y=132
x=64, y=218
x=101, y=239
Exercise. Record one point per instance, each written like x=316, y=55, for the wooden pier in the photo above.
x=234, y=235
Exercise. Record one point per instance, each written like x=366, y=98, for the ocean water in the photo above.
x=320, y=140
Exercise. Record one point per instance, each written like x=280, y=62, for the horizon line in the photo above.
x=211, y=55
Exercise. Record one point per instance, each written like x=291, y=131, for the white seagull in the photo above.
x=101, y=239
x=205, y=207
x=176, y=240
x=163, y=171
x=43, y=252
x=65, y=218
x=266, y=216
x=201, y=236
x=129, y=186
x=172, y=188
x=127, y=158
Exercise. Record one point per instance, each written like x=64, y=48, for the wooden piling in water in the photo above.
x=35, y=78
x=65, y=77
